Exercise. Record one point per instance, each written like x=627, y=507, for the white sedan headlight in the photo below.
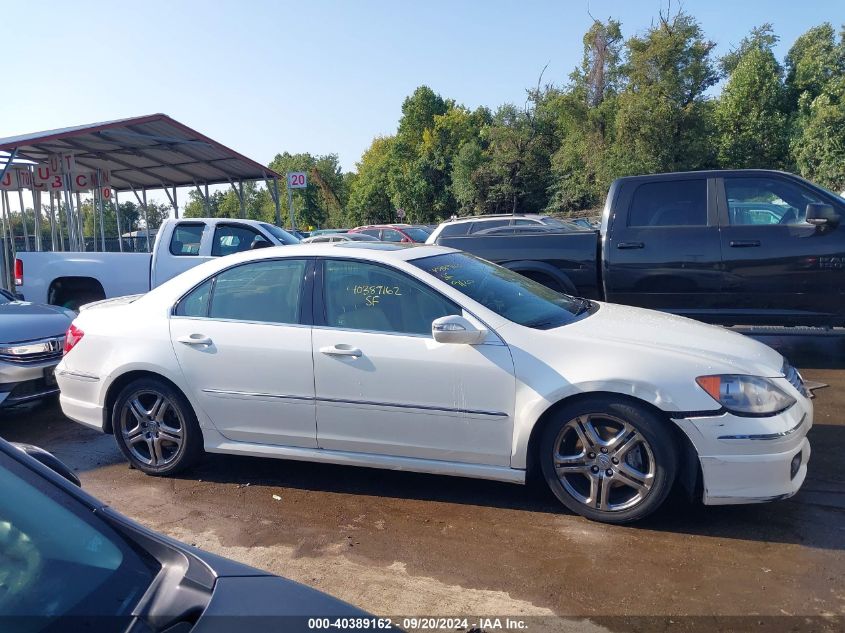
x=746, y=395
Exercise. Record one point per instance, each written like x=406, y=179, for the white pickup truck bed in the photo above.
x=73, y=279
x=57, y=278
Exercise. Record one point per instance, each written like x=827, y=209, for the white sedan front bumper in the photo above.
x=750, y=460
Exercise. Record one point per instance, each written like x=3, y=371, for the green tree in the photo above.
x=198, y=207
x=816, y=82
x=322, y=200
x=813, y=62
x=155, y=214
x=431, y=170
x=750, y=115
x=520, y=144
x=599, y=75
x=416, y=186
x=585, y=115
x=819, y=149
x=470, y=184
x=418, y=112
x=369, y=195
x=760, y=38
x=664, y=119
x=129, y=218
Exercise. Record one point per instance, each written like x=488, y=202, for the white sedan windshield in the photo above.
x=505, y=292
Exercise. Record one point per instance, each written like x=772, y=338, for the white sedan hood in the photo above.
x=712, y=349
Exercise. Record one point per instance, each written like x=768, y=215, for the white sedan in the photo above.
x=429, y=359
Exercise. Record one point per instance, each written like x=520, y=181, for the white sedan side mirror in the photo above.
x=456, y=329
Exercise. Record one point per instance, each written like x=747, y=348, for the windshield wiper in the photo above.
x=584, y=305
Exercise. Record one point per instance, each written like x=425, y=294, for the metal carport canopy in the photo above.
x=147, y=152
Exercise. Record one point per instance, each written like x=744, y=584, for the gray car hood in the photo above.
x=24, y=321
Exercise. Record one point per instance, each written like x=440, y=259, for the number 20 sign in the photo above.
x=297, y=180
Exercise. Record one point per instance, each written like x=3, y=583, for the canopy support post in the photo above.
x=94, y=219
x=117, y=219
x=203, y=197
x=80, y=218
x=143, y=202
x=9, y=162
x=273, y=188
x=4, y=263
x=73, y=233
x=172, y=199
x=53, y=238
x=102, y=211
x=147, y=221
x=9, y=237
x=23, y=219
x=239, y=192
x=36, y=211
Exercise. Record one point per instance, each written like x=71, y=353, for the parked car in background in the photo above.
x=584, y=223
x=72, y=563
x=74, y=279
x=433, y=360
x=317, y=232
x=522, y=230
x=473, y=224
x=31, y=342
x=139, y=241
x=340, y=237
x=700, y=244
x=394, y=232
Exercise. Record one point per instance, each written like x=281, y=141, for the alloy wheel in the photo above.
x=152, y=428
x=604, y=462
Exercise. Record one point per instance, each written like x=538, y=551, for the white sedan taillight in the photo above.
x=72, y=337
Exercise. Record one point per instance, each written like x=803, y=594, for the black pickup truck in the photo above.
x=729, y=246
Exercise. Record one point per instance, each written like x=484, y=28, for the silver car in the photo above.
x=340, y=237
x=31, y=343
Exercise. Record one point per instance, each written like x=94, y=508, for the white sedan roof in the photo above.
x=384, y=252
x=374, y=251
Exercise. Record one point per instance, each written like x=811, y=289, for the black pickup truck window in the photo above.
x=767, y=201
x=669, y=203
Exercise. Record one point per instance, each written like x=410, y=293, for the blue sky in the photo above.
x=316, y=75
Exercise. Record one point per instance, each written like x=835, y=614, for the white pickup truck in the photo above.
x=74, y=279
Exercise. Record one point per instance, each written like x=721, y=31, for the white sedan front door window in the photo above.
x=384, y=386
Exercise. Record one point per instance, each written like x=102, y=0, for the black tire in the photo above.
x=626, y=451
x=152, y=446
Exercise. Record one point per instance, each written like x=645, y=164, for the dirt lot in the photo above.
x=406, y=544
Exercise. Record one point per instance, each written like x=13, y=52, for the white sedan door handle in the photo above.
x=195, y=339
x=341, y=350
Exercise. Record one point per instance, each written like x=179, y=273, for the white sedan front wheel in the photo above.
x=608, y=460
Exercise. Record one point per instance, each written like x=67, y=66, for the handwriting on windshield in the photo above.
x=444, y=272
